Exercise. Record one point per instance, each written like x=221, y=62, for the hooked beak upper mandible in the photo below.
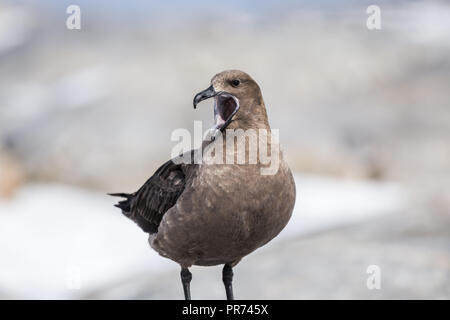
x=205, y=94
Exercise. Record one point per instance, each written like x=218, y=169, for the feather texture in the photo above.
x=147, y=206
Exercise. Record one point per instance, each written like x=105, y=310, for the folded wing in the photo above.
x=148, y=205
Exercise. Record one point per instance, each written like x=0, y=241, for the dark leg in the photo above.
x=227, y=277
x=186, y=278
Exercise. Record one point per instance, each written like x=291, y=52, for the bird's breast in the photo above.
x=225, y=213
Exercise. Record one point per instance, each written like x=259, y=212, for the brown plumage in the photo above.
x=212, y=213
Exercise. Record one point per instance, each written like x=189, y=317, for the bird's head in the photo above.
x=238, y=101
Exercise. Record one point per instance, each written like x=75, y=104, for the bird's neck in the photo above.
x=252, y=116
x=248, y=135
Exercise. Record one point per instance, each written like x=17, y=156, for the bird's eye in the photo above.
x=235, y=82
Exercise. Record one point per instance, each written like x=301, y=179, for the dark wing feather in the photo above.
x=147, y=206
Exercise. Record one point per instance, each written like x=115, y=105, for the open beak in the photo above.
x=225, y=106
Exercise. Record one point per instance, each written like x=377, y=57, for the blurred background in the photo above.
x=364, y=118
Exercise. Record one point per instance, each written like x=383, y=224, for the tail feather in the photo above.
x=125, y=205
x=123, y=195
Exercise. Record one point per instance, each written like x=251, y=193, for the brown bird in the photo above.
x=223, y=208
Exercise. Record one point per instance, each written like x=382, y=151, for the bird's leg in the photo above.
x=186, y=278
x=227, y=277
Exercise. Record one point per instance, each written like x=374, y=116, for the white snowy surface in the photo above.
x=61, y=242
x=325, y=202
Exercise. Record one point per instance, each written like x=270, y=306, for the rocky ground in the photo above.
x=411, y=249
